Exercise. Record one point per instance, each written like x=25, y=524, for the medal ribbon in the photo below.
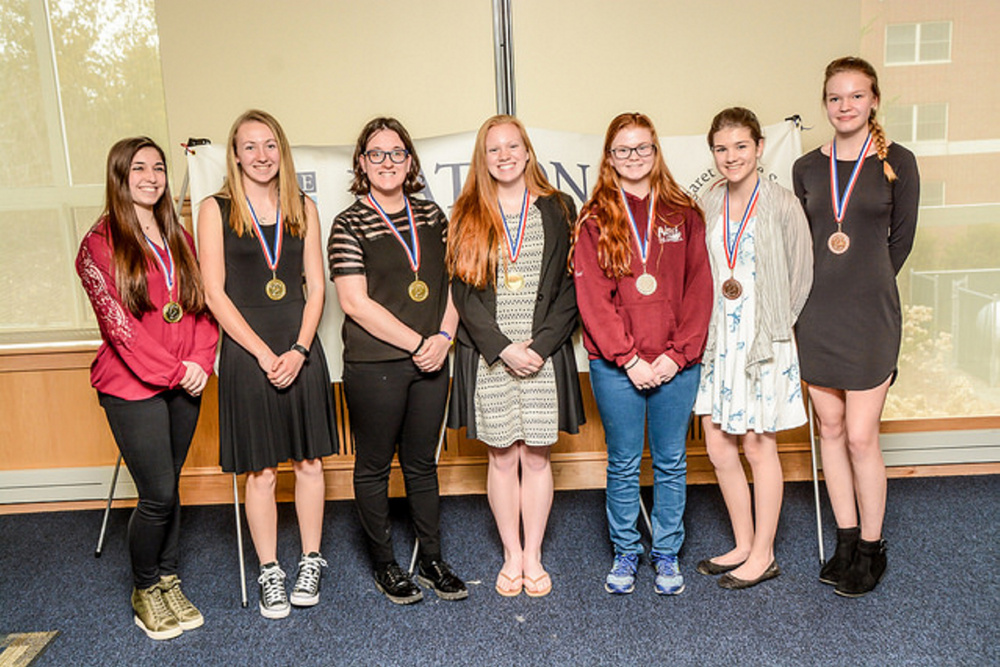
x=515, y=242
x=412, y=254
x=168, y=273
x=272, y=259
x=732, y=241
x=643, y=244
x=840, y=203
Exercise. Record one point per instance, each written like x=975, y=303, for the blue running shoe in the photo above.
x=669, y=580
x=621, y=579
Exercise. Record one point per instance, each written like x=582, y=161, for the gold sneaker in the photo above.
x=152, y=614
x=187, y=615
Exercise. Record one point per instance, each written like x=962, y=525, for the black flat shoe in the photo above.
x=711, y=568
x=391, y=580
x=438, y=576
x=729, y=582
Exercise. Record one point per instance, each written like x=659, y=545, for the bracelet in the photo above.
x=445, y=334
x=630, y=365
x=301, y=349
x=423, y=340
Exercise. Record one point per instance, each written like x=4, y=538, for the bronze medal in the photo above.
x=172, y=312
x=275, y=289
x=514, y=282
x=732, y=289
x=645, y=284
x=838, y=243
x=418, y=290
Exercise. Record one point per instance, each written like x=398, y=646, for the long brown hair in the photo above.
x=614, y=245
x=130, y=252
x=853, y=64
x=293, y=212
x=475, y=230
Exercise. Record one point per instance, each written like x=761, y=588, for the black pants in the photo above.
x=392, y=402
x=154, y=435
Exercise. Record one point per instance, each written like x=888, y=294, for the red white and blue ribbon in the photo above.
x=732, y=240
x=167, y=267
x=272, y=259
x=642, y=242
x=412, y=253
x=516, y=240
x=840, y=203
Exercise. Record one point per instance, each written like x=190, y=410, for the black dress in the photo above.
x=849, y=330
x=261, y=426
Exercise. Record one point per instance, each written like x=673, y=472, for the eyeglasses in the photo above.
x=624, y=152
x=398, y=156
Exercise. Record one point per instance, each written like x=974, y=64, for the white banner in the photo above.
x=571, y=162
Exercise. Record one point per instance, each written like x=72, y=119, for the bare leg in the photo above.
x=831, y=410
x=310, y=498
x=723, y=451
x=262, y=513
x=864, y=411
x=536, y=502
x=761, y=450
x=503, y=492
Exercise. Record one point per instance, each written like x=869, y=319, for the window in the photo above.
x=907, y=123
x=75, y=76
x=916, y=43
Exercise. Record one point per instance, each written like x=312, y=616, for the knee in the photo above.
x=504, y=460
x=262, y=481
x=759, y=451
x=308, y=470
x=535, y=459
x=832, y=429
x=722, y=453
x=862, y=445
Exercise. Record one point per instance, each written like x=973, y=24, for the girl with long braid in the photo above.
x=860, y=194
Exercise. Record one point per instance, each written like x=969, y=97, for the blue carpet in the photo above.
x=938, y=604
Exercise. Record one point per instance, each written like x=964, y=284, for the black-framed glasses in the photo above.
x=398, y=156
x=625, y=152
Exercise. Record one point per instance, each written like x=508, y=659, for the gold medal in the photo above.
x=732, y=289
x=514, y=281
x=172, y=312
x=418, y=290
x=645, y=284
x=838, y=243
x=275, y=289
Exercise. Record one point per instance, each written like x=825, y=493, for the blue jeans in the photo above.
x=624, y=412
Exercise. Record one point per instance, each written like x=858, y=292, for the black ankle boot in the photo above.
x=866, y=570
x=847, y=543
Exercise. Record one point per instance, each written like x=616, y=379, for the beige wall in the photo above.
x=324, y=67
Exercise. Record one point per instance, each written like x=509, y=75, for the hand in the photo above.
x=665, y=368
x=521, y=361
x=285, y=369
x=431, y=355
x=195, y=378
x=642, y=375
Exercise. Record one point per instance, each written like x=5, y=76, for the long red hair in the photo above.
x=131, y=254
x=476, y=228
x=614, y=245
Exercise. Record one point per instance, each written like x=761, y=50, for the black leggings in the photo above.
x=154, y=435
x=392, y=402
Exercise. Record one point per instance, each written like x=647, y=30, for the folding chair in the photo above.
x=107, y=508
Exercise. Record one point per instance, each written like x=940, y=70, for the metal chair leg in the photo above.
x=107, y=508
x=645, y=515
x=239, y=541
x=812, y=452
x=437, y=457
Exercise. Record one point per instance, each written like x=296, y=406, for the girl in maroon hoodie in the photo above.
x=643, y=287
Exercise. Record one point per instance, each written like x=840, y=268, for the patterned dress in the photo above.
x=508, y=408
x=737, y=404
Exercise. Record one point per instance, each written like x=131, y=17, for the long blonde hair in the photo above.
x=293, y=213
x=853, y=64
x=476, y=228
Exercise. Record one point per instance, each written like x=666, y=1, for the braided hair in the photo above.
x=853, y=64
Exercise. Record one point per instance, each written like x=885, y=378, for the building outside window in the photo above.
x=913, y=43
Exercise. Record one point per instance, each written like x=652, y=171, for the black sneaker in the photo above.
x=396, y=584
x=437, y=575
x=306, y=591
x=273, y=598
